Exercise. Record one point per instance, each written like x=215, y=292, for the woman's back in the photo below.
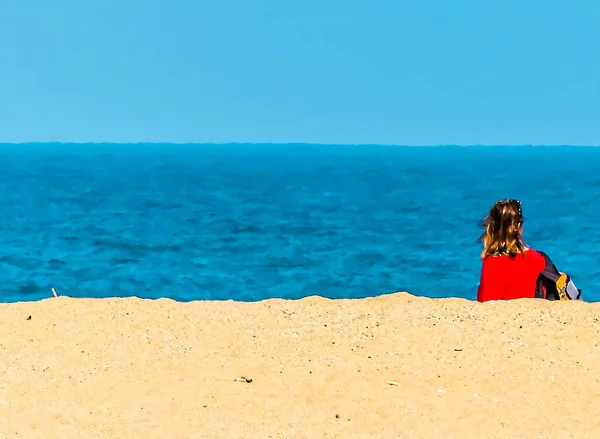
x=508, y=277
x=510, y=270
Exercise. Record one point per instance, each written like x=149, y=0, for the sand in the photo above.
x=386, y=367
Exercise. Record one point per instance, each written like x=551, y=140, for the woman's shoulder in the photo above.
x=533, y=253
x=536, y=257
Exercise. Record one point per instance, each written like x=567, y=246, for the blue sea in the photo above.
x=252, y=221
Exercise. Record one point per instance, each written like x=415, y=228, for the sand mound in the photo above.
x=392, y=366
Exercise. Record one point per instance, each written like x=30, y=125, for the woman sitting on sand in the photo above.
x=510, y=269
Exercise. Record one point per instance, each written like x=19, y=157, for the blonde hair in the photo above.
x=503, y=230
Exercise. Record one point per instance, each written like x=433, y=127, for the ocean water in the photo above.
x=248, y=222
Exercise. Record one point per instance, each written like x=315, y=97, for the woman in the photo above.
x=510, y=269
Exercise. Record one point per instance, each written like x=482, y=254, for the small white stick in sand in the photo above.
x=393, y=383
x=54, y=292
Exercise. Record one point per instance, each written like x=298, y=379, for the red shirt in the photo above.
x=505, y=278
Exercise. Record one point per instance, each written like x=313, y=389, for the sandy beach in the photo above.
x=386, y=367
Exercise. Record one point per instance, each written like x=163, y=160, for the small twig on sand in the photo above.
x=54, y=292
x=243, y=380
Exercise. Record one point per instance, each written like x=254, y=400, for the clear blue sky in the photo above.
x=327, y=71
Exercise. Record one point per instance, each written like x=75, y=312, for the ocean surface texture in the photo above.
x=248, y=222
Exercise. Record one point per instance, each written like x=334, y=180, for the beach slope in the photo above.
x=386, y=367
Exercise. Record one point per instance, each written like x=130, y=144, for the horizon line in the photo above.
x=474, y=145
